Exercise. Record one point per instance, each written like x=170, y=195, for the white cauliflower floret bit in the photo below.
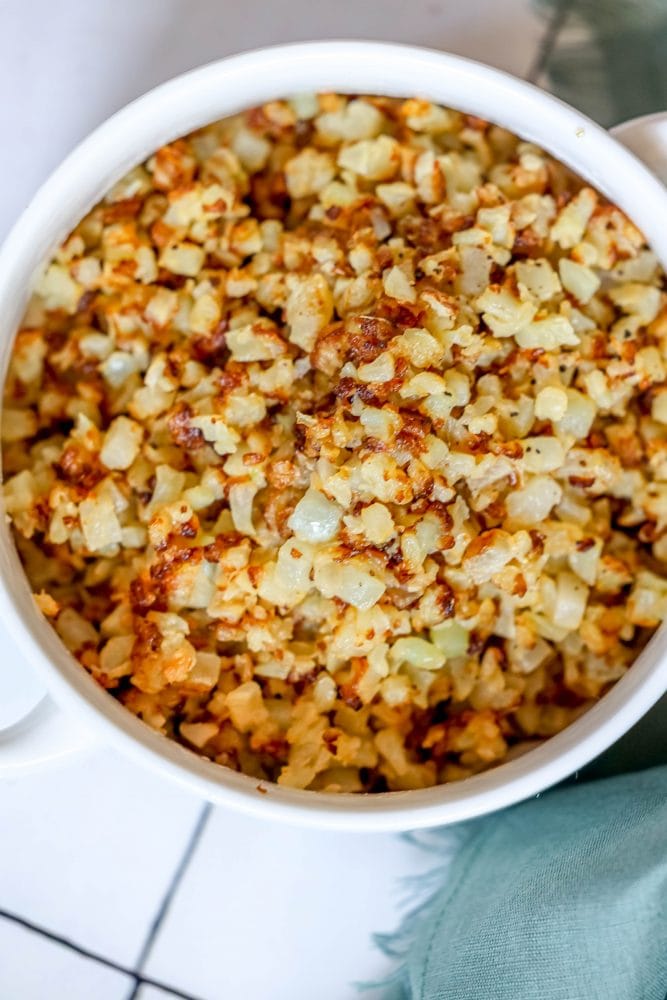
x=350, y=581
x=572, y=220
x=374, y=159
x=121, y=443
x=183, y=258
x=308, y=172
x=308, y=309
x=534, y=502
x=215, y=430
x=581, y=281
x=551, y=403
x=99, y=523
x=355, y=120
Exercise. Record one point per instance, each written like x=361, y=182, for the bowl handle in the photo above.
x=33, y=730
x=646, y=137
x=44, y=735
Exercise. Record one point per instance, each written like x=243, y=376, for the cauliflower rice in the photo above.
x=334, y=443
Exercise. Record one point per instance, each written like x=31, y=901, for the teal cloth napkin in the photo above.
x=561, y=898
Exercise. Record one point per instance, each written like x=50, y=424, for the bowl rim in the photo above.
x=174, y=108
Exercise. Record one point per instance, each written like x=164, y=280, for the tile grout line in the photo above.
x=93, y=956
x=172, y=889
x=549, y=39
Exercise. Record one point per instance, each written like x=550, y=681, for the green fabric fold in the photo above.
x=561, y=898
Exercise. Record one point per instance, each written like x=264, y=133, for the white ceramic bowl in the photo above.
x=128, y=137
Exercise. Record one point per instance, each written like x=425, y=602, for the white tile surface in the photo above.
x=88, y=849
x=280, y=913
x=34, y=968
x=68, y=65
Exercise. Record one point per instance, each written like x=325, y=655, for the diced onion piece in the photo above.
x=570, y=601
x=241, y=496
x=487, y=554
x=58, y=290
x=168, y=487
x=377, y=523
x=215, y=430
x=118, y=367
x=637, y=299
x=452, y=638
x=308, y=172
x=246, y=706
x=534, y=502
x=503, y=312
x=572, y=220
x=523, y=659
x=325, y=692
x=546, y=628
x=257, y=342
x=549, y=334
x=115, y=655
x=647, y=604
x=417, y=653
x=374, y=159
x=578, y=279
x=75, y=631
x=205, y=673
x=355, y=120
x=542, y=454
x=315, y=518
x=308, y=309
x=121, y=443
x=579, y=416
x=584, y=559
x=199, y=733
x=184, y=258
x=551, y=403
x=395, y=689
x=379, y=370
x=99, y=524
x=287, y=581
x=538, y=278
x=397, y=285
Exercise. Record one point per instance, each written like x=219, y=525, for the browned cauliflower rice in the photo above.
x=334, y=443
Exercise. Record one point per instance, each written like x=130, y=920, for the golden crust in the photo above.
x=334, y=443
